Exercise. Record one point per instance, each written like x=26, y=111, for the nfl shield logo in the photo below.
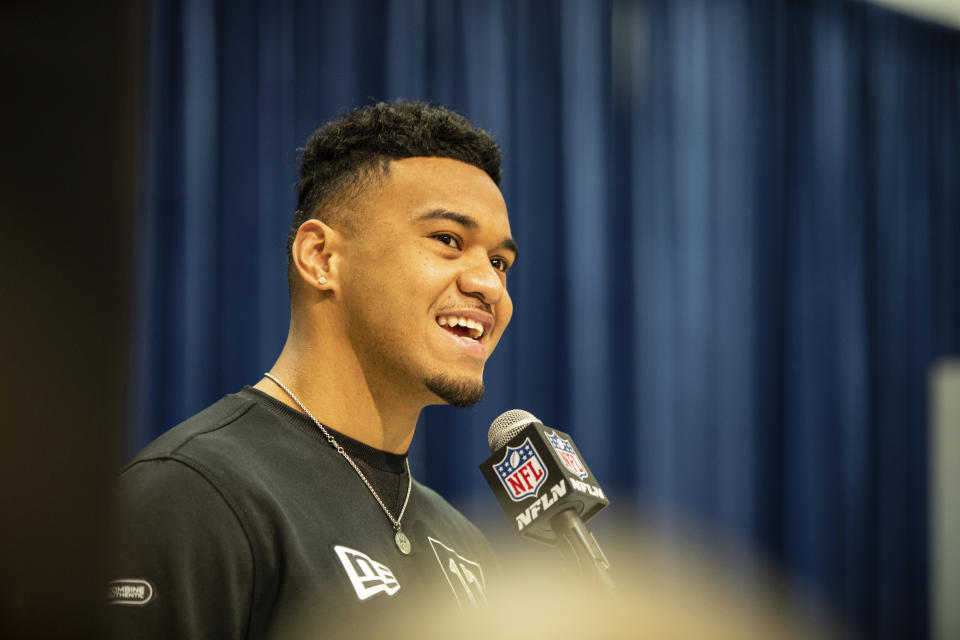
x=521, y=471
x=567, y=455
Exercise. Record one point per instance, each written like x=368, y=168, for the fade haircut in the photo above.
x=349, y=154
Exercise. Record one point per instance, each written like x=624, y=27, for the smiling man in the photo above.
x=295, y=494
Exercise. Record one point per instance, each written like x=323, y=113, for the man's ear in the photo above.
x=316, y=254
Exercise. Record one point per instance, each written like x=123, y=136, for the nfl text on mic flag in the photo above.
x=545, y=488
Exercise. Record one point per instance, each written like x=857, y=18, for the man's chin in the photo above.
x=459, y=393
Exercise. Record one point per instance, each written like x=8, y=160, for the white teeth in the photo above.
x=476, y=328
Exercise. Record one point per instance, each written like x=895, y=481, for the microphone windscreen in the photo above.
x=507, y=425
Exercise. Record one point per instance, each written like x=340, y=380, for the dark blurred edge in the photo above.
x=72, y=108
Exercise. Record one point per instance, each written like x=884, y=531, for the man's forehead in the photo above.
x=430, y=168
x=423, y=184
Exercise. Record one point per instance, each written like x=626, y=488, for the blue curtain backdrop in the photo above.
x=740, y=228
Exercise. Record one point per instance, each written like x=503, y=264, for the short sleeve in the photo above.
x=184, y=567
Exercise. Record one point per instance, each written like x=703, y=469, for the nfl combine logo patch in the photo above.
x=521, y=471
x=567, y=455
x=130, y=591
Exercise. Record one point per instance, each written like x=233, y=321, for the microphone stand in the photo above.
x=578, y=545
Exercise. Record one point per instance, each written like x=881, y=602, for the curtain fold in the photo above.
x=740, y=247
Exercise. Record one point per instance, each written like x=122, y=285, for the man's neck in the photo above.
x=332, y=387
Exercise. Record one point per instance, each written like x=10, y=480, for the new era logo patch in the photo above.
x=367, y=576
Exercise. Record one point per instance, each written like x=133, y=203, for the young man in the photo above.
x=295, y=495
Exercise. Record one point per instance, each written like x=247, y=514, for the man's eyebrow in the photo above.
x=466, y=222
x=510, y=245
x=442, y=214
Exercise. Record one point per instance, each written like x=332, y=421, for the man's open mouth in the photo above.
x=461, y=327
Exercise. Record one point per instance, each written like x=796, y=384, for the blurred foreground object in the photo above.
x=666, y=590
x=945, y=500
x=67, y=195
x=943, y=11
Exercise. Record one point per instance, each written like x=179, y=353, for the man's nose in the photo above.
x=481, y=280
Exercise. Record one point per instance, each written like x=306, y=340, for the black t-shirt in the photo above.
x=244, y=515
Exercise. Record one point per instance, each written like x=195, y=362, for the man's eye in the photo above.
x=500, y=264
x=451, y=241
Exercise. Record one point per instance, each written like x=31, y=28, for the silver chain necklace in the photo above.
x=403, y=542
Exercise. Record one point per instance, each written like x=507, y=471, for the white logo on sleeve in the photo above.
x=367, y=576
x=464, y=576
x=130, y=591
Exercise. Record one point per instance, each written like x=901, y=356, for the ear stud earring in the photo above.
x=322, y=280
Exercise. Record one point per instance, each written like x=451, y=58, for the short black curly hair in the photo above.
x=343, y=156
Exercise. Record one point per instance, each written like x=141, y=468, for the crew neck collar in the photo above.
x=377, y=458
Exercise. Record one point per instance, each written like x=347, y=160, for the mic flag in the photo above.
x=537, y=472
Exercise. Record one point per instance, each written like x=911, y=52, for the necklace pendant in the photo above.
x=403, y=542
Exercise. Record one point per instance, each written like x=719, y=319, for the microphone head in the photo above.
x=507, y=425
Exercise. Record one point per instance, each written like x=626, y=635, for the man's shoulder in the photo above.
x=239, y=428
x=208, y=458
x=241, y=445
x=218, y=421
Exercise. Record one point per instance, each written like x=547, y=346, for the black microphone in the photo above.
x=546, y=489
